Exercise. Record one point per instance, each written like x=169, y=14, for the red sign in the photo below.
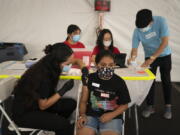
x=102, y=5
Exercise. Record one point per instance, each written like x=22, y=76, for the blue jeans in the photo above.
x=95, y=124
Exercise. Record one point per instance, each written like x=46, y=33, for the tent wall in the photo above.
x=37, y=23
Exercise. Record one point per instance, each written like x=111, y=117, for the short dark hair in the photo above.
x=105, y=53
x=143, y=18
x=72, y=28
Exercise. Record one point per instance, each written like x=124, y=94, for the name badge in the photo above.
x=96, y=85
x=105, y=95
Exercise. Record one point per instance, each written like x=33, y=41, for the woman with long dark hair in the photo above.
x=37, y=103
x=104, y=42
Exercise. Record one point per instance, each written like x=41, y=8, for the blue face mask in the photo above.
x=66, y=68
x=76, y=38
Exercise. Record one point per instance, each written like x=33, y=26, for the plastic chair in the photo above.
x=123, y=127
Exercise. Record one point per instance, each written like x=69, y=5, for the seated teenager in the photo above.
x=103, y=100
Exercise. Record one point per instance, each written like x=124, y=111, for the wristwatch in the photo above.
x=152, y=57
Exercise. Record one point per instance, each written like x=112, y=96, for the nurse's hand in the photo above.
x=66, y=87
x=147, y=63
x=84, y=77
x=129, y=61
x=81, y=121
x=85, y=71
x=84, y=80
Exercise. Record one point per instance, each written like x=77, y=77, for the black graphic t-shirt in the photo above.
x=106, y=95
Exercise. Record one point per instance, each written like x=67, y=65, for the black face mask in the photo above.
x=105, y=73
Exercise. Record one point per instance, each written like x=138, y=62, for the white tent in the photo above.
x=37, y=23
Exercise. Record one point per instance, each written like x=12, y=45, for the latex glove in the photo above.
x=66, y=87
x=84, y=80
x=132, y=58
x=85, y=71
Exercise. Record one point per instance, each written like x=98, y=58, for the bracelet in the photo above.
x=81, y=116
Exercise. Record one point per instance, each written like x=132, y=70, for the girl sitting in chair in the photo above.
x=104, y=99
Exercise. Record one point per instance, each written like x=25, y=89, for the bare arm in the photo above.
x=83, y=101
x=157, y=53
x=93, y=58
x=46, y=103
x=110, y=115
x=133, y=55
x=120, y=110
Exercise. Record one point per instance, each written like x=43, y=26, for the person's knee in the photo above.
x=109, y=133
x=85, y=131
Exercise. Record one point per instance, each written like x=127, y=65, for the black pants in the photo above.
x=53, y=119
x=164, y=64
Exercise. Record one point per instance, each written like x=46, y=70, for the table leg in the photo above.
x=136, y=120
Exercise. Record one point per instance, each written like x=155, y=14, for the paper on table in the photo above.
x=129, y=72
x=72, y=72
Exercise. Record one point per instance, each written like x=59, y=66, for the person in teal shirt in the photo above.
x=153, y=33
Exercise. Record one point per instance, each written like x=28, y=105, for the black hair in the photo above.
x=105, y=53
x=72, y=28
x=58, y=50
x=47, y=69
x=143, y=18
x=99, y=41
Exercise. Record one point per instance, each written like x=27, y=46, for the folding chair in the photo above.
x=6, y=88
x=123, y=127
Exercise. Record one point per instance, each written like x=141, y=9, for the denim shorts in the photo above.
x=95, y=124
